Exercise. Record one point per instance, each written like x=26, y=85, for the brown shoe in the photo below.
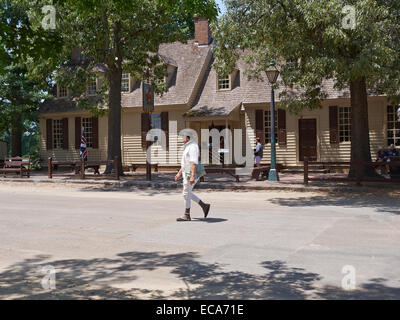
x=205, y=207
x=185, y=217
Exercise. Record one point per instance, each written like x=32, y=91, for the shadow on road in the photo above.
x=95, y=279
x=388, y=202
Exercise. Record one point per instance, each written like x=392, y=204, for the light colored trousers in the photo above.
x=188, y=194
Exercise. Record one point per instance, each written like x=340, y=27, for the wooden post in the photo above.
x=116, y=167
x=357, y=164
x=305, y=171
x=82, y=169
x=50, y=168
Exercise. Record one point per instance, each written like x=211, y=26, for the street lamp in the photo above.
x=272, y=75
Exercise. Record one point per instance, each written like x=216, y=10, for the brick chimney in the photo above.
x=202, y=32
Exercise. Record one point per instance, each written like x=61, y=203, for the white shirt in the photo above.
x=190, y=155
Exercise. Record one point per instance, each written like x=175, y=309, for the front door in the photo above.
x=308, y=139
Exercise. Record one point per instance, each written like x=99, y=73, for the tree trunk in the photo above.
x=114, y=119
x=360, y=146
x=114, y=101
x=16, y=140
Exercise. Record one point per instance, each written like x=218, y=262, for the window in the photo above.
x=92, y=88
x=267, y=126
x=155, y=121
x=87, y=125
x=344, y=124
x=125, y=83
x=224, y=83
x=156, y=124
x=58, y=134
x=62, y=92
x=393, y=126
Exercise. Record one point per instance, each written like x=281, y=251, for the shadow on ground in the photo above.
x=94, y=279
x=382, y=201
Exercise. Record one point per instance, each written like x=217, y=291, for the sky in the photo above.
x=221, y=6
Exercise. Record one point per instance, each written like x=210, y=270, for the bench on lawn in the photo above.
x=17, y=165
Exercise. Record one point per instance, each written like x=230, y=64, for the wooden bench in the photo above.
x=135, y=166
x=229, y=171
x=17, y=165
x=76, y=166
x=394, y=168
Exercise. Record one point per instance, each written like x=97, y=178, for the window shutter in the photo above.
x=95, y=132
x=164, y=126
x=333, y=125
x=260, y=124
x=65, y=134
x=49, y=134
x=78, y=132
x=282, y=127
x=145, y=128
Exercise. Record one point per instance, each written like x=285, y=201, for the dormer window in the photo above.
x=126, y=83
x=92, y=87
x=224, y=83
x=62, y=92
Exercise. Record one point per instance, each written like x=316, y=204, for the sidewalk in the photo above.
x=165, y=180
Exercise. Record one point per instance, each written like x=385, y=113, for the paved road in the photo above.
x=255, y=245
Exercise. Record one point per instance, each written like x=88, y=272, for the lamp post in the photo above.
x=272, y=75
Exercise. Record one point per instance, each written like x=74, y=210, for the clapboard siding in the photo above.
x=131, y=139
x=72, y=154
x=289, y=155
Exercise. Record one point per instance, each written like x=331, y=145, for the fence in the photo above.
x=357, y=164
x=80, y=166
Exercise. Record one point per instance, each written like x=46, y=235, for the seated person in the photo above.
x=382, y=157
x=392, y=151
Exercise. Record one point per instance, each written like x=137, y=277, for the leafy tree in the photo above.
x=19, y=105
x=19, y=40
x=119, y=35
x=312, y=41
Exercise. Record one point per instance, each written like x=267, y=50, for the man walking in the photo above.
x=189, y=162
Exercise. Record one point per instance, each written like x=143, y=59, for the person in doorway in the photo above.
x=189, y=162
x=258, y=152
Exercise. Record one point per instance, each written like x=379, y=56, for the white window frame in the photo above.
x=392, y=126
x=59, y=92
x=267, y=126
x=225, y=80
x=94, y=80
x=344, y=119
x=129, y=82
x=58, y=134
x=87, y=124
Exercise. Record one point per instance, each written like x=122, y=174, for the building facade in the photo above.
x=198, y=99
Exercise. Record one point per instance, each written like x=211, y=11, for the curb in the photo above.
x=203, y=185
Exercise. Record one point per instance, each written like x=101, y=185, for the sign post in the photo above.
x=148, y=107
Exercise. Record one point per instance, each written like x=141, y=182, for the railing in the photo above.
x=82, y=165
x=357, y=164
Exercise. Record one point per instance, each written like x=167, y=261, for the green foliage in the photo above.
x=19, y=40
x=19, y=99
x=118, y=34
x=309, y=43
